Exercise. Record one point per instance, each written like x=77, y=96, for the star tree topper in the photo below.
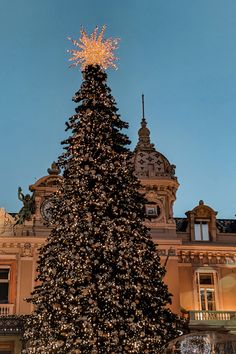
x=94, y=49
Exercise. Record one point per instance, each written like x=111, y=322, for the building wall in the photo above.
x=182, y=254
x=25, y=279
x=186, y=287
x=227, y=286
x=172, y=280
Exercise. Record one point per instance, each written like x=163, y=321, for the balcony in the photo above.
x=213, y=320
x=10, y=324
x=6, y=309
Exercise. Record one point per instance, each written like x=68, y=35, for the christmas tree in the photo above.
x=101, y=282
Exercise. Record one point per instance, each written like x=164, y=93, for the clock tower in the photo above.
x=43, y=190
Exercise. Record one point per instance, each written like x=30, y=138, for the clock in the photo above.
x=46, y=209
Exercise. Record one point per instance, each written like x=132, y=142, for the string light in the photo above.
x=100, y=279
x=94, y=50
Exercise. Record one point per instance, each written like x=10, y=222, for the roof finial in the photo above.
x=143, y=106
x=54, y=169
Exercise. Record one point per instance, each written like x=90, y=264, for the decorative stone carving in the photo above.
x=200, y=257
x=159, y=203
x=54, y=169
x=151, y=196
x=44, y=188
x=203, y=211
x=28, y=209
x=6, y=221
x=26, y=250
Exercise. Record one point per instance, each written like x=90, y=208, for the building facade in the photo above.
x=199, y=251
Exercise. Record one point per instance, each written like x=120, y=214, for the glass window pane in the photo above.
x=211, y=299
x=205, y=232
x=151, y=210
x=211, y=306
x=197, y=230
x=206, y=278
x=210, y=294
x=3, y=293
x=4, y=273
x=202, y=297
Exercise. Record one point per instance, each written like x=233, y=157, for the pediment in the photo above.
x=202, y=211
x=50, y=181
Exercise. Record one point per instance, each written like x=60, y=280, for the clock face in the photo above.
x=46, y=209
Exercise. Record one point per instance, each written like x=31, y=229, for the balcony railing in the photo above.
x=6, y=309
x=212, y=315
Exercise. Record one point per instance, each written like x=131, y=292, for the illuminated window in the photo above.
x=4, y=285
x=206, y=291
x=201, y=229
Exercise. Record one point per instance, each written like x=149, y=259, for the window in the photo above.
x=6, y=348
x=201, y=230
x=206, y=291
x=153, y=210
x=4, y=285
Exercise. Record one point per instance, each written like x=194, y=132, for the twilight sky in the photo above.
x=180, y=54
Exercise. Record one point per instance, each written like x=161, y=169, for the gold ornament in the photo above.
x=94, y=50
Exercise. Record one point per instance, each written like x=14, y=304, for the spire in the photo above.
x=144, y=133
x=143, y=106
x=148, y=162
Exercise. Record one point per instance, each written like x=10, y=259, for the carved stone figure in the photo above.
x=26, y=250
x=28, y=207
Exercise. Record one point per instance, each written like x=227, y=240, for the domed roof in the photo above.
x=148, y=161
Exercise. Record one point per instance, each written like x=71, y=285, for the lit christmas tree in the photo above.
x=101, y=283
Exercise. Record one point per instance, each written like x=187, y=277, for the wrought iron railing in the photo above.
x=6, y=309
x=11, y=325
x=212, y=315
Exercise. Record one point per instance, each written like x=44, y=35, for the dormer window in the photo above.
x=202, y=223
x=201, y=230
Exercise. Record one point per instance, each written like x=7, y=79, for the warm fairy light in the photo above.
x=94, y=49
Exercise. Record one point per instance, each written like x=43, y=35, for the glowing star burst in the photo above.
x=94, y=49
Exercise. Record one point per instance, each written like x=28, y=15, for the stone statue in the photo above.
x=28, y=207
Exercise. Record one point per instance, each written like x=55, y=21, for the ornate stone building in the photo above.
x=199, y=251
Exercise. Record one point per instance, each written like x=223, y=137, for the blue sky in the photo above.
x=180, y=54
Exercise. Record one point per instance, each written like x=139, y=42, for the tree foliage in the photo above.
x=101, y=282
